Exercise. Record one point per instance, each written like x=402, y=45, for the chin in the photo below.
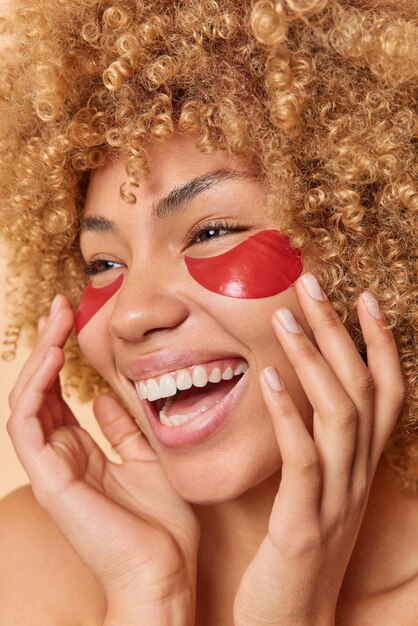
x=226, y=483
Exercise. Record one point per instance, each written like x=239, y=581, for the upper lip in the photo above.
x=165, y=362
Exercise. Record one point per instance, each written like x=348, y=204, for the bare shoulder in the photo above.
x=42, y=580
x=381, y=582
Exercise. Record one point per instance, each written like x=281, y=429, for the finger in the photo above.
x=69, y=419
x=120, y=430
x=24, y=426
x=56, y=413
x=385, y=367
x=54, y=405
x=55, y=333
x=53, y=410
x=340, y=352
x=300, y=487
x=42, y=323
x=59, y=409
x=47, y=420
x=335, y=422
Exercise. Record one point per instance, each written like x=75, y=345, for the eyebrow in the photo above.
x=176, y=201
x=179, y=197
x=98, y=224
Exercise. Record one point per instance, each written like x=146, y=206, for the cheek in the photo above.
x=92, y=300
x=262, y=266
x=96, y=345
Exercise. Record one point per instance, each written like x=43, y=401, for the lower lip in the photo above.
x=200, y=427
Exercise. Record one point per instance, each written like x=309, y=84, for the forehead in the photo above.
x=171, y=163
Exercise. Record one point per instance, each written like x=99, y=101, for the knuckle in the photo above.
x=9, y=426
x=299, y=541
x=397, y=397
x=11, y=399
x=307, y=464
x=346, y=415
x=360, y=492
x=357, y=499
x=401, y=392
x=330, y=317
x=12, y=426
x=364, y=381
x=309, y=541
x=304, y=351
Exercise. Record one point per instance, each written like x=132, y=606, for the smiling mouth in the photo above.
x=206, y=388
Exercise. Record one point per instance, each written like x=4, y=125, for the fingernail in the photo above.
x=312, y=287
x=372, y=305
x=286, y=319
x=273, y=379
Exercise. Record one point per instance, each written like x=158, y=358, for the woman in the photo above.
x=221, y=194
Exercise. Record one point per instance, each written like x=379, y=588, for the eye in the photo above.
x=211, y=233
x=99, y=266
x=202, y=233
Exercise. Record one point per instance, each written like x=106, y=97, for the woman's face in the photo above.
x=157, y=319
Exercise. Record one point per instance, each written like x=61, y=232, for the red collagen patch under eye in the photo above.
x=92, y=299
x=261, y=266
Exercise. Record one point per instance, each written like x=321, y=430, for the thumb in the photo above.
x=121, y=431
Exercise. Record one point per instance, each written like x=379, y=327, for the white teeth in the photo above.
x=163, y=419
x=215, y=375
x=176, y=420
x=240, y=369
x=183, y=380
x=228, y=374
x=199, y=376
x=153, y=390
x=168, y=386
x=142, y=390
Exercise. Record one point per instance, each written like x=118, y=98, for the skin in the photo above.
x=163, y=317
x=303, y=533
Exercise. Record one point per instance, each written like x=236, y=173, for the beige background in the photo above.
x=12, y=474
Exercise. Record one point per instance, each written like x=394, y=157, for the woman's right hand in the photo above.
x=125, y=521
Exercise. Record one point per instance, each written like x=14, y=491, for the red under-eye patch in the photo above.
x=261, y=266
x=92, y=299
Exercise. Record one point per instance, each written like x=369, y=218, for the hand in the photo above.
x=138, y=537
x=297, y=572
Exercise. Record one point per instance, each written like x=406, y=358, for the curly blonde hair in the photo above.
x=319, y=94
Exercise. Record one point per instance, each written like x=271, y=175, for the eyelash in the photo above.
x=91, y=268
x=219, y=225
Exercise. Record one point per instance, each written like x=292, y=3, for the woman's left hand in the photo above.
x=297, y=572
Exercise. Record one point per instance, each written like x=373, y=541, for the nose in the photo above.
x=146, y=303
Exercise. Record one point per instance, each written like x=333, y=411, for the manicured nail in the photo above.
x=372, y=305
x=286, y=319
x=272, y=378
x=312, y=287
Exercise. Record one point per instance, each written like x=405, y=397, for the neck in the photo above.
x=231, y=534
x=384, y=556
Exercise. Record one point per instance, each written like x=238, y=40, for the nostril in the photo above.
x=138, y=313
